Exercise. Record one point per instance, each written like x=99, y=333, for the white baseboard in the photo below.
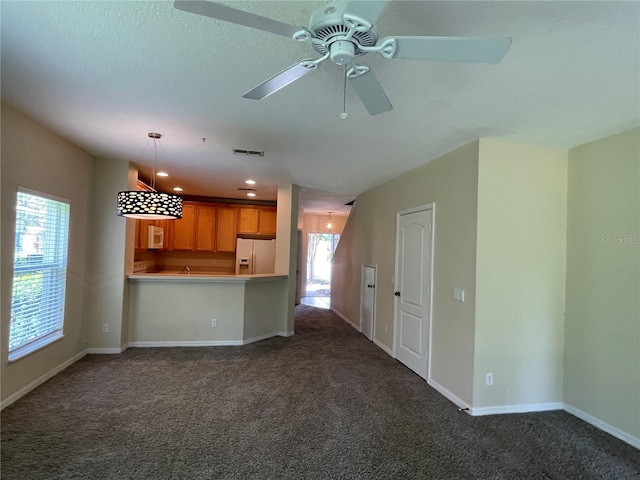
x=290, y=333
x=107, y=351
x=604, y=426
x=383, y=347
x=39, y=381
x=357, y=327
x=447, y=394
x=377, y=342
x=265, y=336
x=195, y=343
x=525, y=408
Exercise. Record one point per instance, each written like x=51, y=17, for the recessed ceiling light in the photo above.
x=162, y=174
x=251, y=194
x=248, y=182
x=177, y=189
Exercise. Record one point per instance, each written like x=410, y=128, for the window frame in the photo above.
x=60, y=292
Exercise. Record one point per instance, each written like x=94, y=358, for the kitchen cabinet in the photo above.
x=247, y=220
x=142, y=233
x=137, y=236
x=226, y=229
x=181, y=232
x=205, y=228
x=268, y=220
x=257, y=220
x=208, y=227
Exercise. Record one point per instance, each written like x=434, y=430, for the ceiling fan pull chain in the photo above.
x=344, y=115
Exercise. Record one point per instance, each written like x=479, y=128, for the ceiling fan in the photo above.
x=342, y=31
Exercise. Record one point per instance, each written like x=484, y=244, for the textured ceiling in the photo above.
x=103, y=74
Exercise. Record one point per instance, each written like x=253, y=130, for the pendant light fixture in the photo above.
x=329, y=225
x=150, y=205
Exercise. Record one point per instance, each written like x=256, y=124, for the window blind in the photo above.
x=39, y=272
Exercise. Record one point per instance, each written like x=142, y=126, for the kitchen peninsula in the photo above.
x=206, y=304
x=199, y=309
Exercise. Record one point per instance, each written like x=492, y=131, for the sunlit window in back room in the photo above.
x=321, y=247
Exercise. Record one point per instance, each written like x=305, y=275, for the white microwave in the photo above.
x=156, y=237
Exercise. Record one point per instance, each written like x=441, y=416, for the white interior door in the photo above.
x=367, y=300
x=413, y=288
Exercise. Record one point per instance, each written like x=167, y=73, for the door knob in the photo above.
x=397, y=294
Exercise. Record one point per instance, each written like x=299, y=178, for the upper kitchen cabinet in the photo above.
x=205, y=228
x=257, y=220
x=226, y=231
x=247, y=220
x=142, y=233
x=181, y=233
x=267, y=223
x=205, y=231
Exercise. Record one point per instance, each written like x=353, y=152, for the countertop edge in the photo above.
x=154, y=277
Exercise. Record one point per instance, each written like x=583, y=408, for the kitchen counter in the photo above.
x=203, y=276
x=206, y=309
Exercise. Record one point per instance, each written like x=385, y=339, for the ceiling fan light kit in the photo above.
x=343, y=31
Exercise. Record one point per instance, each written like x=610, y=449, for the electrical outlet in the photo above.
x=458, y=295
x=489, y=379
x=105, y=328
x=214, y=322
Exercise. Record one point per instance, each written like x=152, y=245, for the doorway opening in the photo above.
x=320, y=248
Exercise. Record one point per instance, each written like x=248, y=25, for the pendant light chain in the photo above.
x=153, y=168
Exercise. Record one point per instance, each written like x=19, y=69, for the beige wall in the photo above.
x=265, y=305
x=602, y=333
x=110, y=260
x=450, y=182
x=179, y=311
x=520, y=275
x=35, y=158
x=167, y=311
x=287, y=246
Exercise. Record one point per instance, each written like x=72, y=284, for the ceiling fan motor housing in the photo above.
x=328, y=27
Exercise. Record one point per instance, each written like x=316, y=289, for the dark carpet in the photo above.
x=323, y=404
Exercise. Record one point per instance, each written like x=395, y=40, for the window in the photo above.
x=39, y=272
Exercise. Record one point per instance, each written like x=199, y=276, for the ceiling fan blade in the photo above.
x=228, y=14
x=371, y=93
x=281, y=80
x=451, y=49
x=369, y=10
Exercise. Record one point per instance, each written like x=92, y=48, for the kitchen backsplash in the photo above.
x=219, y=263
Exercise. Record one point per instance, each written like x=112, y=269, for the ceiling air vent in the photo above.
x=248, y=153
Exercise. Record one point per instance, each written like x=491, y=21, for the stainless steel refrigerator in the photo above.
x=255, y=256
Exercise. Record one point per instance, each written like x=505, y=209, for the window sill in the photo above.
x=34, y=346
